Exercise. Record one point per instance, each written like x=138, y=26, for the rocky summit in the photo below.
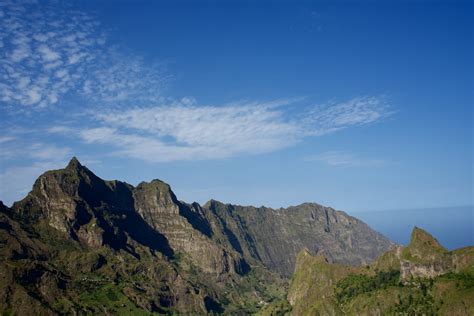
x=77, y=244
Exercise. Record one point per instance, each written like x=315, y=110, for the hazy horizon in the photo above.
x=453, y=227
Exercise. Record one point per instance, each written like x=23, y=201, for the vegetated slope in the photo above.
x=79, y=243
x=420, y=279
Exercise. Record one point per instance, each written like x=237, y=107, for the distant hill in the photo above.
x=77, y=244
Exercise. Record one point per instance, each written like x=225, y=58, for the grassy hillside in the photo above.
x=420, y=279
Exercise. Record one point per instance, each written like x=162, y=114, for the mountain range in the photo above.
x=77, y=244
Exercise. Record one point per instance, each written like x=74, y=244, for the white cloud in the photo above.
x=47, y=53
x=336, y=116
x=20, y=53
x=185, y=131
x=16, y=148
x=342, y=159
x=52, y=40
x=99, y=135
x=34, y=49
x=251, y=126
x=34, y=96
x=49, y=152
x=4, y=139
x=23, y=82
x=41, y=37
x=123, y=79
x=60, y=129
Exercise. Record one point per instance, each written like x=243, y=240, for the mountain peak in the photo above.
x=74, y=163
x=422, y=241
x=212, y=204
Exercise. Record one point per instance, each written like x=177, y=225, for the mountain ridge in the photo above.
x=225, y=257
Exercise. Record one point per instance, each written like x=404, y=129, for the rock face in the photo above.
x=185, y=227
x=90, y=210
x=275, y=237
x=141, y=248
x=420, y=279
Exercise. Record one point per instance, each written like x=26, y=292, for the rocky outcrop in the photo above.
x=185, y=227
x=424, y=257
x=88, y=209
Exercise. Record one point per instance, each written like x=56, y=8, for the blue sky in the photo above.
x=355, y=105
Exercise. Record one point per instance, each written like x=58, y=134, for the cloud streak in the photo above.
x=40, y=151
x=184, y=130
x=342, y=159
x=355, y=112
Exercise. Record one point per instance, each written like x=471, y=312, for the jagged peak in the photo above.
x=157, y=185
x=74, y=163
x=213, y=203
x=421, y=238
x=160, y=182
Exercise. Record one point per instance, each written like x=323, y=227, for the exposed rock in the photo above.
x=158, y=205
x=275, y=237
x=424, y=257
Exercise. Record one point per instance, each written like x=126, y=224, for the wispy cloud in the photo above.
x=184, y=130
x=49, y=152
x=38, y=151
x=16, y=181
x=342, y=159
x=37, y=42
x=22, y=160
x=340, y=115
x=4, y=139
x=49, y=51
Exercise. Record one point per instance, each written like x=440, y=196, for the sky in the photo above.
x=355, y=105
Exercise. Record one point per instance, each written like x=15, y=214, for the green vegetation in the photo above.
x=109, y=299
x=258, y=288
x=356, y=284
x=277, y=308
x=417, y=299
x=421, y=279
x=463, y=280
